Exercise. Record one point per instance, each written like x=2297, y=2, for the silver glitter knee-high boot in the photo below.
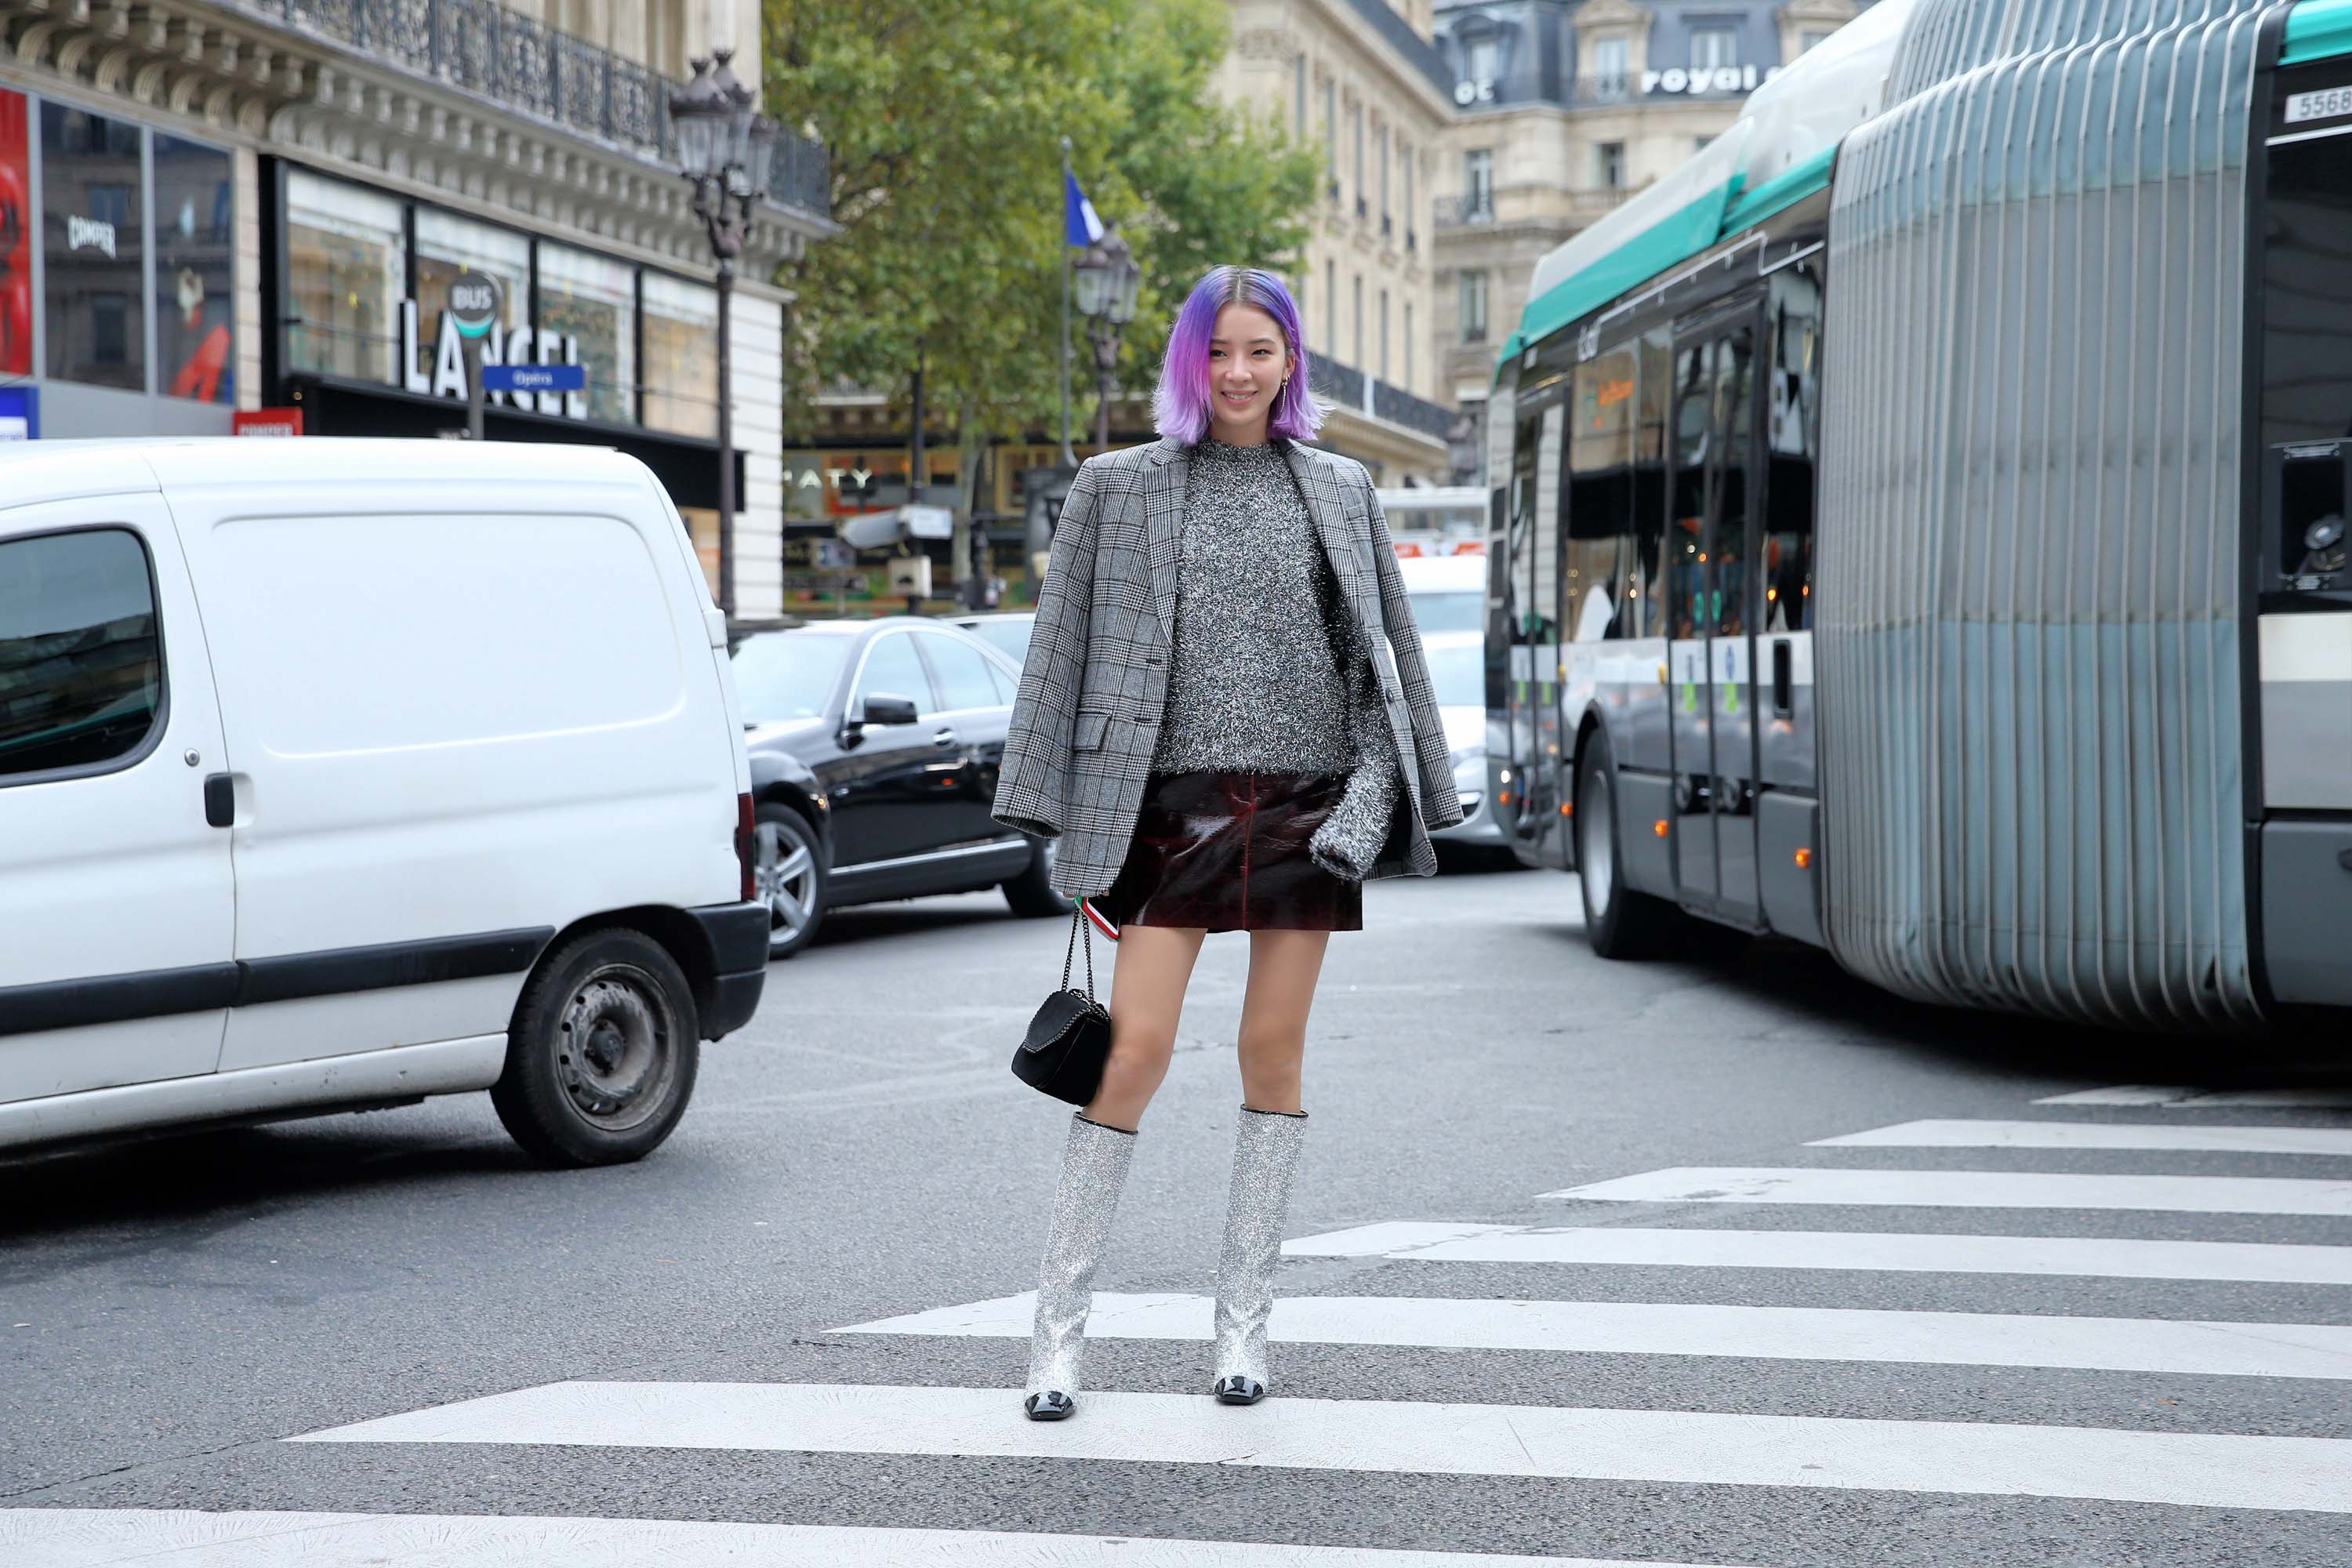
x=1266, y=1153
x=1094, y=1170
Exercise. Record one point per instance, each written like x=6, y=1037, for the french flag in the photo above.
x=1079, y=220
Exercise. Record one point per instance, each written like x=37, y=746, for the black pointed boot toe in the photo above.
x=1049, y=1404
x=1238, y=1390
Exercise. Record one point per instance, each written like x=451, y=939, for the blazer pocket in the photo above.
x=1088, y=736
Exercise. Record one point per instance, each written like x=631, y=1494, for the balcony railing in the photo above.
x=480, y=48
x=1461, y=212
x=1348, y=387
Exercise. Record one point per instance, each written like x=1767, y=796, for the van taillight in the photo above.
x=745, y=841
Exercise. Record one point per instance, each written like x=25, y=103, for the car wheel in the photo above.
x=788, y=875
x=601, y=1056
x=1031, y=894
x=1618, y=921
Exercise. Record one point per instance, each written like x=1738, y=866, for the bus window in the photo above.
x=1600, y=497
x=1654, y=392
x=1795, y=435
x=1735, y=401
x=1686, y=571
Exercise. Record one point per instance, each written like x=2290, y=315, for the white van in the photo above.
x=338, y=773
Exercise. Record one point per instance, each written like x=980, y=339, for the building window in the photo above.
x=1408, y=345
x=1610, y=162
x=1484, y=60
x=1298, y=68
x=1360, y=153
x=1473, y=306
x=1479, y=184
x=1331, y=308
x=681, y=331
x=448, y=248
x=1610, y=64
x=1714, y=48
x=93, y=219
x=594, y=301
x=1358, y=360
x=196, y=247
x=1404, y=156
x=1384, y=334
x=1331, y=132
x=347, y=272
x=1810, y=39
x=1386, y=137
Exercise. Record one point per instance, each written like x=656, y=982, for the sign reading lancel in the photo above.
x=445, y=376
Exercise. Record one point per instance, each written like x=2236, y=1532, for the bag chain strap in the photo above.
x=1078, y=919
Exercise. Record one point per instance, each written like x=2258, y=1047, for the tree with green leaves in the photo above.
x=944, y=125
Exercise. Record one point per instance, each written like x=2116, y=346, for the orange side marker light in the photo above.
x=1659, y=827
x=1805, y=859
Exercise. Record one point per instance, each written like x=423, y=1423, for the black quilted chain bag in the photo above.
x=1069, y=1039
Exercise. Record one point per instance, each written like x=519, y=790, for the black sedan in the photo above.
x=874, y=747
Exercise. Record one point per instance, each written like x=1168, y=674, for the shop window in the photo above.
x=17, y=222
x=95, y=264
x=594, y=301
x=681, y=333
x=447, y=248
x=347, y=272
x=196, y=300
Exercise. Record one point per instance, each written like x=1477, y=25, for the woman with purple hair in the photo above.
x=1225, y=723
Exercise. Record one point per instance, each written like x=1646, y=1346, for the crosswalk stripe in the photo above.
x=89, y=1538
x=2175, y=1097
x=2185, y=1139
x=1975, y=1189
x=2103, y=1256
x=1402, y=1437
x=1668, y=1327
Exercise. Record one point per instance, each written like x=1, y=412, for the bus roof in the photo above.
x=1776, y=154
x=2318, y=30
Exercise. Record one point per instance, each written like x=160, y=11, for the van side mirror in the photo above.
x=884, y=707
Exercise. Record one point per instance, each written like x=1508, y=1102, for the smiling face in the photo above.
x=1247, y=361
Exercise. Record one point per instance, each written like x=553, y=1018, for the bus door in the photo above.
x=1710, y=656
x=1529, y=574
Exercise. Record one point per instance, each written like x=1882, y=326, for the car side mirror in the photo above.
x=884, y=707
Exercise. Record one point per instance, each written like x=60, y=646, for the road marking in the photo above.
x=2103, y=1256
x=1975, y=1190
x=1391, y=1238
x=2179, y=1099
x=1657, y=1327
x=88, y=1538
x=1401, y=1437
x=2188, y=1139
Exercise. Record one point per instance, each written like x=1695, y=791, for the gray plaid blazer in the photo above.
x=1096, y=679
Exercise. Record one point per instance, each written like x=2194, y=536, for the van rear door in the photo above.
x=115, y=892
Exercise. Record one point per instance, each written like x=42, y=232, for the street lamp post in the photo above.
x=725, y=147
x=1108, y=278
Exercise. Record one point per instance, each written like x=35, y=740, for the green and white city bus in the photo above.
x=1916, y=525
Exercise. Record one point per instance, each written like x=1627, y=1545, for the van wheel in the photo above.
x=1618, y=921
x=601, y=1056
x=1031, y=894
x=788, y=874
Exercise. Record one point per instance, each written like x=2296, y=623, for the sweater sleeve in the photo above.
x=1348, y=842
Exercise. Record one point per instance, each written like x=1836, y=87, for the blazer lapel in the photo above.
x=1164, y=519
x=1331, y=516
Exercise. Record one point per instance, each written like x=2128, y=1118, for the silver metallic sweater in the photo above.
x=1269, y=671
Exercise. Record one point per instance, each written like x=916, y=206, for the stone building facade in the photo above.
x=256, y=207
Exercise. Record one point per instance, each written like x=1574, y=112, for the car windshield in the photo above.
x=788, y=675
x=1457, y=672
x=1010, y=636
x=1450, y=611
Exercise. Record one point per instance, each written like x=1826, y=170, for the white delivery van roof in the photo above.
x=34, y=471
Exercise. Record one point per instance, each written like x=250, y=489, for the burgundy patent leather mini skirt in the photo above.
x=1227, y=850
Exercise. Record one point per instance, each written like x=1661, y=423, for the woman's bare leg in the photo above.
x=1147, y=997
x=1284, y=968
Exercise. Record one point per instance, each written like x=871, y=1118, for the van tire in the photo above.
x=1618, y=921
x=624, y=988
x=1031, y=894
x=790, y=831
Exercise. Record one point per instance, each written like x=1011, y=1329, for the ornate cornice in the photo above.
x=335, y=106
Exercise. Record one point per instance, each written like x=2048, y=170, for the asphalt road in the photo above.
x=1725, y=1355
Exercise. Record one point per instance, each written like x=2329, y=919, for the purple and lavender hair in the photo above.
x=1180, y=406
